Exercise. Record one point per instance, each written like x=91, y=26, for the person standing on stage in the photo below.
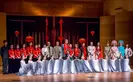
x=91, y=50
x=65, y=48
x=77, y=52
x=23, y=51
x=11, y=60
x=4, y=56
x=30, y=49
x=39, y=49
x=17, y=58
x=84, y=51
x=99, y=51
x=50, y=51
x=121, y=48
x=107, y=50
x=44, y=50
x=128, y=51
x=35, y=53
x=57, y=51
x=71, y=52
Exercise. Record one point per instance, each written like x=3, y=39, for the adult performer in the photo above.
x=4, y=56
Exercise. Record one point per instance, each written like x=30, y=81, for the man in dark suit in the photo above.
x=4, y=55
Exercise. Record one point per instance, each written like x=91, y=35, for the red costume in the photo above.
x=35, y=53
x=17, y=54
x=71, y=52
x=39, y=50
x=66, y=48
x=84, y=51
x=99, y=49
x=30, y=50
x=23, y=52
x=11, y=54
x=76, y=52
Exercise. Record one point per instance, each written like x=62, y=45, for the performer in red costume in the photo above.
x=39, y=49
x=30, y=49
x=11, y=59
x=23, y=51
x=17, y=58
x=35, y=53
x=77, y=52
x=71, y=51
x=99, y=54
x=84, y=51
x=65, y=48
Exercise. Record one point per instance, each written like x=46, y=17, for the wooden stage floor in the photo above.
x=83, y=77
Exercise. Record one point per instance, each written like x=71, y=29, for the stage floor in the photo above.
x=83, y=77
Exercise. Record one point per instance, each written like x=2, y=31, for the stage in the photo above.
x=88, y=77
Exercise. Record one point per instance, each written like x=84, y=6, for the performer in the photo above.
x=30, y=49
x=84, y=51
x=38, y=66
x=71, y=52
x=99, y=51
x=128, y=51
x=44, y=65
x=91, y=51
x=107, y=50
x=125, y=62
x=57, y=51
x=11, y=60
x=23, y=68
x=114, y=53
x=65, y=48
x=44, y=50
x=121, y=48
x=77, y=52
x=23, y=51
x=35, y=53
x=18, y=58
x=4, y=56
x=50, y=51
x=51, y=65
x=31, y=66
x=39, y=49
x=114, y=50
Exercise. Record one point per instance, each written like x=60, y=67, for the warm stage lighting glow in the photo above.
x=33, y=9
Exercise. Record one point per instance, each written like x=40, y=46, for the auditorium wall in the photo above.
x=2, y=29
x=107, y=29
x=113, y=6
x=71, y=9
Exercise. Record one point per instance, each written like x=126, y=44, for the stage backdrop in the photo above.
x=72, y=28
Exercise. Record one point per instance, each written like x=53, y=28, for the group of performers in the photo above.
x=66, y=59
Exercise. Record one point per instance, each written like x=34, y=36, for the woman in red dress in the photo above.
x=99, y=54
x=84, y=51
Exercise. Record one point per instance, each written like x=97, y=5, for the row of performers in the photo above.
x=91, y=52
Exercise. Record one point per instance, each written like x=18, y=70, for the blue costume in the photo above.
x=121, y=48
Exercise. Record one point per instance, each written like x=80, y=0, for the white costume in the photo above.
x=91, y=51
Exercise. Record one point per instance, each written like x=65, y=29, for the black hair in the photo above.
x=4, y=41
